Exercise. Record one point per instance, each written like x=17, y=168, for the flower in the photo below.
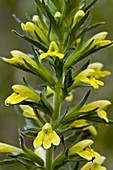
x=82, y=123
x=18, y=59
x=97, y=41
x=21, y=93
x=83, y=149
x=34, y=31
x=53, y=51
x=87, y=76
x=100, y=105
x=46, y=136
x=95, y=164
x=9, y=148
x=28, y=112
x=97, y=68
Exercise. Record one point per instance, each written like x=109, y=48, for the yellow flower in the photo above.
x=46, y=136
x=100, y=105
x=21, y=93
x=87, y=76
x=28, y=112
x=32, y=29
x=97, y=41
x=97, y=67
x=95, y=164
x=9, y=148
x=18, y=59
x=83, y=149
x=53, y=51
x=81, y=123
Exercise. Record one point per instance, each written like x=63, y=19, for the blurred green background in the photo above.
x=10, y=120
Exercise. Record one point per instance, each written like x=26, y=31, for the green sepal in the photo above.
x=30, y=154
x=33, y=42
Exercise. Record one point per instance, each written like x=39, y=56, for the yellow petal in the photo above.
x=102, y=114
x=91, y=129
x=43, y=55
x=38, y=140
x=14, y=99
x=55, y=138
x=87, y=154
x=79, y=147
x=46, y=142
x=60, y=55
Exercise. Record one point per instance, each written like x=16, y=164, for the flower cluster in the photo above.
x=57, y=35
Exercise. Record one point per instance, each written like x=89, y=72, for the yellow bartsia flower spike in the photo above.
x=47, y=136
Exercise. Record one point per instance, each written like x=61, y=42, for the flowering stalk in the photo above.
x=61, y=133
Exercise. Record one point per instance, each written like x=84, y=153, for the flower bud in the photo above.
x=77, y=17
x=58, y=16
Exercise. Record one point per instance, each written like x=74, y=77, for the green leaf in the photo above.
x=90, y=5
x=33, y=42
x=30, y=154
x=82, y=102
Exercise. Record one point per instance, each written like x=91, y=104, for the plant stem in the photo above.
x=49, y=153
